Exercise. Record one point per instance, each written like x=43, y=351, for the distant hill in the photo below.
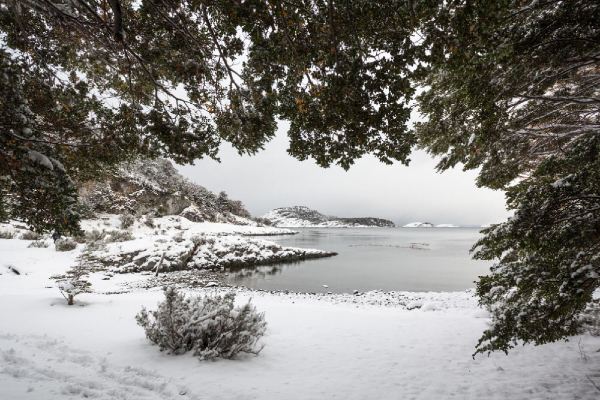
x=299, y=216
x=155, y=187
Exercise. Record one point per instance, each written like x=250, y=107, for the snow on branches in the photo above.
x=208, y=326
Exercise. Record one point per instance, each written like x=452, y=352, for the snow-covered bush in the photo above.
x=73, y=283
x=94, y=236
x=7, y=234
x=209, y=326
x=118, y=236
x=65, y=244
x=263, y=221
x=149, y=221
x=590, y=318
x=30, y=235
x=38, y=244
x=127, y=221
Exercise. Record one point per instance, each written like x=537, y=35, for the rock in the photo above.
x=211, y=284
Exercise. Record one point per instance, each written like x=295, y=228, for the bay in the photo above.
x=401, y=259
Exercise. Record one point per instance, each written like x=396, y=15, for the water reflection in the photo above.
x=415, y=259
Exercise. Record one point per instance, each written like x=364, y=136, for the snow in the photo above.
x=563, y=182
x=175, y=222
x=41, y=159
x=203, y=245
x=418, y=225
x=428, y=225
x=366, y=346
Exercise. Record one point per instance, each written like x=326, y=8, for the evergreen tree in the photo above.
x=513, y=89
x=87, y=84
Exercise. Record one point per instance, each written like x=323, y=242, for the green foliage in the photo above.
x=512, y=89
x=86, y=85
x=549, y=252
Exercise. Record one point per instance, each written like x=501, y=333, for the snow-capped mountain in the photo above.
x=300, y=216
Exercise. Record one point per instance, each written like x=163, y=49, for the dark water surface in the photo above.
x=411, y=259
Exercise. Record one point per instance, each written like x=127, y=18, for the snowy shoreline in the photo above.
x=380, y=345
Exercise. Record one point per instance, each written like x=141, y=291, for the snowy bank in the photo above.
x=174, y=243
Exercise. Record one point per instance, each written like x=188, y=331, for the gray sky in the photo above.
x=272, y=179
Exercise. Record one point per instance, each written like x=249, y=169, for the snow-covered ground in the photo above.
x=373, y=346
x=170, y=223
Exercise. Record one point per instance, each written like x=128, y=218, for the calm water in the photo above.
x=412, y=259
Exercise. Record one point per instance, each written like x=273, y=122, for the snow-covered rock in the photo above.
x=418, y=225
x=300, y=216
x=201, y=252
x=174, y=243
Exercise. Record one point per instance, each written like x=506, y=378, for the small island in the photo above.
x=300, y=216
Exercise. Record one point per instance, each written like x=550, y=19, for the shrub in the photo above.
x=65, y=244
x=7, y=234
x=118, y=236
x=127, y=221
x=90, y=236
x=30, y=235
x=94, y=246
x=209, y=326
x=38, y=244
x=73, y=283
x=263, y=221
x=149, y=221
x=178, y=237
x=94, y=236
x=80, y=238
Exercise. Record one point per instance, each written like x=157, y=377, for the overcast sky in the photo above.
x=272, y=179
